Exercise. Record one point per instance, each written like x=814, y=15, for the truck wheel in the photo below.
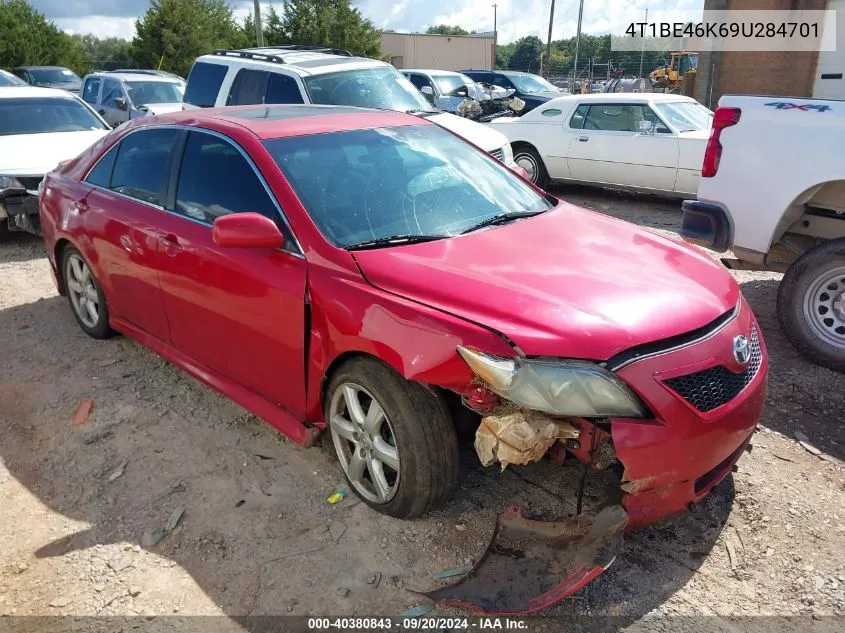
x=394, y=439
x=529, y=159
x=811, y=305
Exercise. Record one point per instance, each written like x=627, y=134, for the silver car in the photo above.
x=121, y=96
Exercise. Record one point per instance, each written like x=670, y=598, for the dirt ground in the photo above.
x=82, y=505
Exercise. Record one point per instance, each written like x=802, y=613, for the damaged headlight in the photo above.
x=566, y=388
x=10, y=182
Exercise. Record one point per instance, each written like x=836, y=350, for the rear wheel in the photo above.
x=394, y=439
x=811, y=305
x=85, y=296
x=529, y=159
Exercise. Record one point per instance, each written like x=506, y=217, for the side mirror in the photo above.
x=246, y=230
x=646, y=127
x=428, y=91
x=120, y=102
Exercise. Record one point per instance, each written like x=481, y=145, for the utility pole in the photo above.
x=495, y=34
x=549, y=45
x=642, y=50
x=259, y=33
x=578, y=41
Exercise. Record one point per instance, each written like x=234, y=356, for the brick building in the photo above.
x=776, y=73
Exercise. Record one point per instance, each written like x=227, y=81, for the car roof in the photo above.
x=279, y=121
x=303, y=62
x=129, y=76
x=646, y=97
x=41, y=68
x=7, y=92
x=431, y=71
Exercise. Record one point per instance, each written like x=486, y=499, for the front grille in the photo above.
x=710, y=389
x=30, y=182
x=498, y=154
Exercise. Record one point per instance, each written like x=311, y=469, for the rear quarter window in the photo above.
x=204, y=84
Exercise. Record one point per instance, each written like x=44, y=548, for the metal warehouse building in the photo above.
x=780, y=73
x=443, y=52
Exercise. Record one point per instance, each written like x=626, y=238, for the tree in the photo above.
x=445, y=29
x=105, y=54
x=330, y=23
x=29, y=39
x=173, y=33
x=526, y=54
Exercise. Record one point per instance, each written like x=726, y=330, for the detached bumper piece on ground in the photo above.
x=531, y=565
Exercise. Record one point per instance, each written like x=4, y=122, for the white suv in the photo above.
x=298, y=74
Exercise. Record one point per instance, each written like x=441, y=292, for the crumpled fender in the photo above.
x=530, y=565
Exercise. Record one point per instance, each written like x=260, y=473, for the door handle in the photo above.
x=583, y=139
x=170, y=238
x=170, y=244
x=81, y=206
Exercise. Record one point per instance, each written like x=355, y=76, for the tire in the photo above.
x=4, y=228
x=533, y=164
x=811, y=305
x=416, y=426
x=95, y=321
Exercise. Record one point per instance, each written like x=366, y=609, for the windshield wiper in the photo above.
x=394, y=240
x=502, y=218
x=422, y=112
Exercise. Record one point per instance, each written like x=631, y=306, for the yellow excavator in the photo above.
x=677, y=77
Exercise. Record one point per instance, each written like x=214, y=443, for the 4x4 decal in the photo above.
x=782, y=105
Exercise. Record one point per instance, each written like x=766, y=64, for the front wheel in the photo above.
x=529, y=159
x=394, y=439
x=811, y=305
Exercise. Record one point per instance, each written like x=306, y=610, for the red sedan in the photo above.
x=371, y=273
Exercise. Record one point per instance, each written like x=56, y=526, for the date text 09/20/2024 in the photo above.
x=416, y=624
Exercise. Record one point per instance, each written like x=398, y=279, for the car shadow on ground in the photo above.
x=655, y=212
x=257, y=535
x=811, y=398
x=20, y=247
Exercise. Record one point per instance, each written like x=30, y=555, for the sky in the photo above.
x=516, y=18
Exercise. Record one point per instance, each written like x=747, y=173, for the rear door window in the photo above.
x=282, y=89
x=248, y=88
x=91, y=90
x=141, y=164
x=204, y=83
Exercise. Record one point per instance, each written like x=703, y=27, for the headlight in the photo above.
x=566, y=388
x=10, y=182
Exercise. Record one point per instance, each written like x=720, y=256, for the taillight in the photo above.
x=722, y=118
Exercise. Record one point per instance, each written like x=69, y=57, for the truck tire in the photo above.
x=811, y=305
x=393, y=437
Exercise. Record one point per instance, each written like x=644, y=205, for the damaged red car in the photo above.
x=371, y=275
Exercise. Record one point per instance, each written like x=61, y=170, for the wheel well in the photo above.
x=337, y=363
x=57, y=253
x=517, y=145
x=827, y=198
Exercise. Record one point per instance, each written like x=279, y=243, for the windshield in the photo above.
x=52, y=76
x=8, y=79
x=416, y=180
x=149, y=92
x=531, y=83
x=450, y=84
x=45, y=115
x=685, y=116
x=382, y=87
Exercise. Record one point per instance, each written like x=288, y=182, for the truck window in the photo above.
x=204, y=83
x=282, y=89
x=248, y=88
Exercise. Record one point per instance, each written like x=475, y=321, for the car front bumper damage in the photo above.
x=662, y=469
x=19, y=209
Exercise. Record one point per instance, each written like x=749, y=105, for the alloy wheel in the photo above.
x=365, y=442
x=83, y=291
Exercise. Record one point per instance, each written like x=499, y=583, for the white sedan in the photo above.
x=39, y=128
x=645, y=142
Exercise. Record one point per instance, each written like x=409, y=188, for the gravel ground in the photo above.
x=254, y=535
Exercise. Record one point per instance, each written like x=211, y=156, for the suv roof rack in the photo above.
x=278, y=59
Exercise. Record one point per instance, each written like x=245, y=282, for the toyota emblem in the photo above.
x=742, y=350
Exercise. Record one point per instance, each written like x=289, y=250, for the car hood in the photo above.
x=161, y=108
x=70, y=86
x=479, y=134
x=36, y=154
x=567, y=283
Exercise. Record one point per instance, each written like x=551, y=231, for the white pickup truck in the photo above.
x=772, y=191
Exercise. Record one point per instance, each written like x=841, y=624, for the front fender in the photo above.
x=349, y=316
